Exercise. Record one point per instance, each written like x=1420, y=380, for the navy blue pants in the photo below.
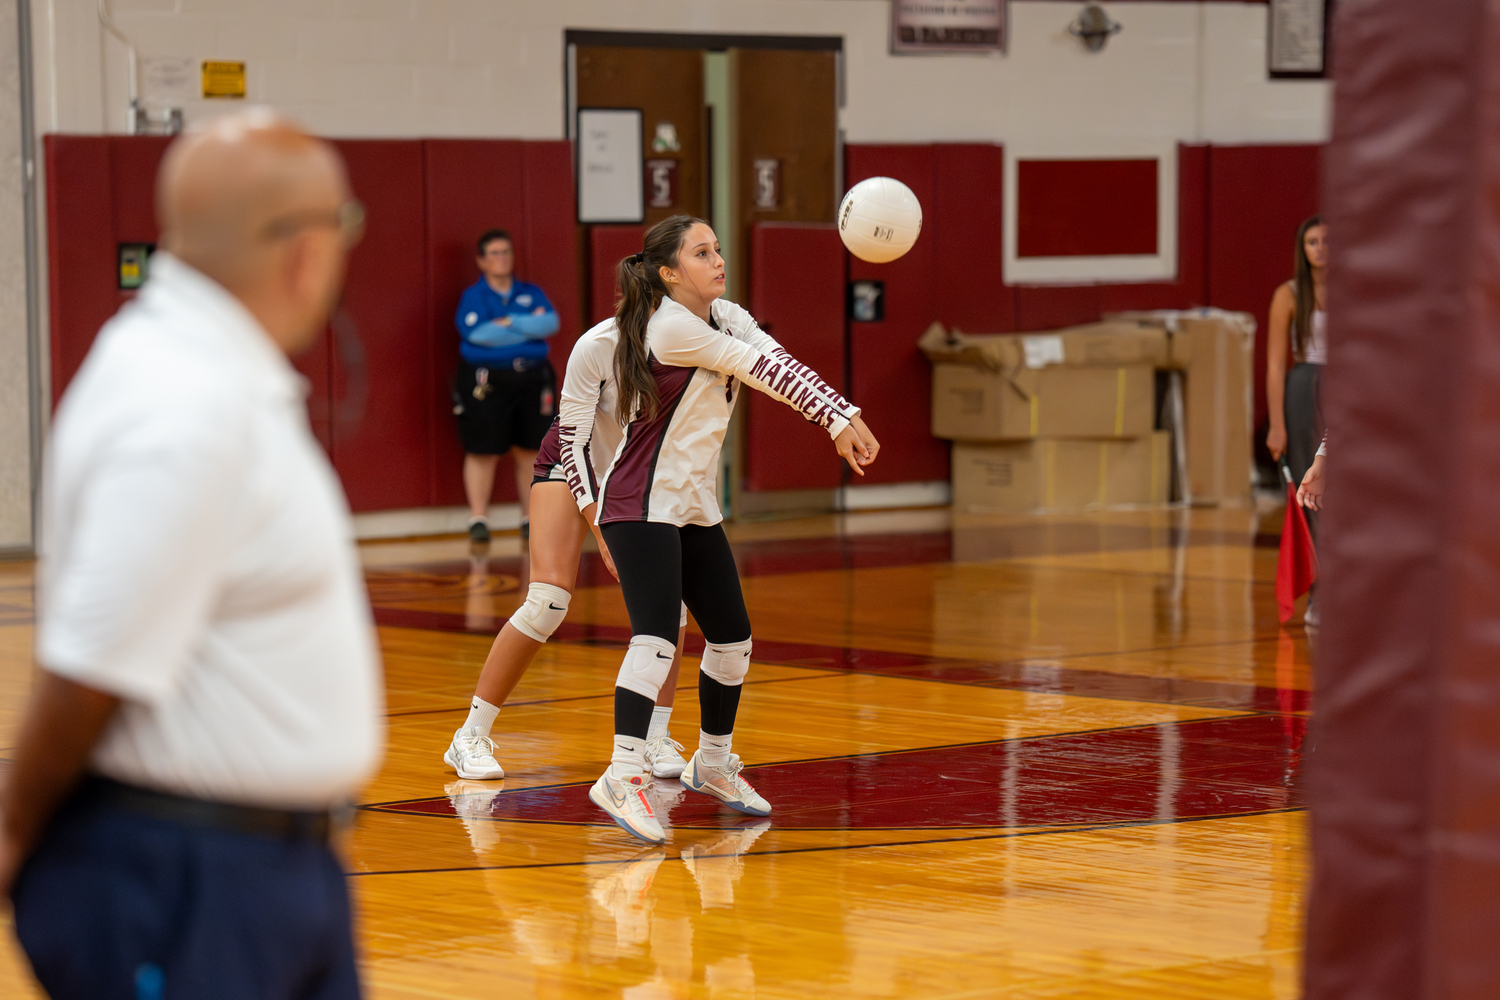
x=116, y=905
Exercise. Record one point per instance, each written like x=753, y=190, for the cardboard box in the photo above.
x=1016, y=477
x=975, y=403
x=1117, y=342
x=1216, y=350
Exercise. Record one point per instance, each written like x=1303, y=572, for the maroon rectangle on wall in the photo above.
x=1086, y=208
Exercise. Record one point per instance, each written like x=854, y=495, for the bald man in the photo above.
x=208, y=698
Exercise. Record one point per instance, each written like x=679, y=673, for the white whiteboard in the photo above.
x=610, y=185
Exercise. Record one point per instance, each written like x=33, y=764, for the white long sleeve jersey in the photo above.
x=666, y=468
x=588, y=422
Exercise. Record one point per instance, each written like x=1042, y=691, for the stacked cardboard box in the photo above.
x=1068, y=419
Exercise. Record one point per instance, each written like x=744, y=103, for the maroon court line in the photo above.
x=1225, y=766
x=1015, y=675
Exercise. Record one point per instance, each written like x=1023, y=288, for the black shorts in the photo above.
x=513, y=410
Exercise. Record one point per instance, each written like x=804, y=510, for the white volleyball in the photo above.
x=879, y=219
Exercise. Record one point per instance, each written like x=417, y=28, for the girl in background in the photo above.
x=1298, y=326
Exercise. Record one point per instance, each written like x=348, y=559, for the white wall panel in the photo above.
x=1178, y=71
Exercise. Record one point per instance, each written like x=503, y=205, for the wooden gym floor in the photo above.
x=1020, y=757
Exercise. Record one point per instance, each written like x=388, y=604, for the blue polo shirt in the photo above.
x=481, y=304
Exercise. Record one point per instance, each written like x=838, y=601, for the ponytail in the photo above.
x=638, y=278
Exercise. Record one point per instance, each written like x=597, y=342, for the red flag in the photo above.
x=1297, y=565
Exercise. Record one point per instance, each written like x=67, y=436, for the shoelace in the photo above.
x=654, y=747
x=476, y=746
x=732, y=770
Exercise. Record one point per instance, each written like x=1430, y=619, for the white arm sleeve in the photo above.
x=738, y=321
x=677, y=337
x=588, y=369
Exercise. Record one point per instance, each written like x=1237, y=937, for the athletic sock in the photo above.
x=661, y=715
x=629, y=757
x=481, y=716
x=714, y=750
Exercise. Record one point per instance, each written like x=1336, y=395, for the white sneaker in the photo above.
x=664, y=754
x=473, y=756
x=725, y=784
x=627, y=805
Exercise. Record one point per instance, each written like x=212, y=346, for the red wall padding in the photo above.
x=891, y=380
x=1085, y=208
x=803, y=308
x=382, y=453
x=1257, y=197
x=427, y=202
x=608, y=245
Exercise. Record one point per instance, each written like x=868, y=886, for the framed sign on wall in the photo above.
x=610, y=176
x=919, y=26
x=1297, y=38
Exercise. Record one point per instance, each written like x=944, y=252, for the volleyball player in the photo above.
x=563, y=486
x=683, y=352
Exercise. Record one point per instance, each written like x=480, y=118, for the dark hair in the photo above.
x=641, y=291
x=1302, y=284
x=490, y=236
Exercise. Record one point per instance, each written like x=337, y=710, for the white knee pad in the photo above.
x=647, y=663
x=545, y=608
x=727, y=664
x=682, y=622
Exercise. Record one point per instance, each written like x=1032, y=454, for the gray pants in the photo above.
x=1304, y=422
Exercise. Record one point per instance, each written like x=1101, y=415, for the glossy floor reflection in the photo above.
x=1021, y=757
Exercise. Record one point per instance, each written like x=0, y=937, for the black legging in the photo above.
x=662, y=567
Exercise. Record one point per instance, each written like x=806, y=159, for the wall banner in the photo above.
x=919, y=26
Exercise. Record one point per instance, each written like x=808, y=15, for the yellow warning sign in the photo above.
x=224, y=79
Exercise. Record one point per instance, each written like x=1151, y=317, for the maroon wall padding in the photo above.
x=891, y=380
x=1085, y=208
x=474, y=185
x=426, y=202
x=963, y=222
x=1405, y=782
x=382, y=453
x=803, y=308
x=99, y=194
x=608, y=245
x=1258, y=195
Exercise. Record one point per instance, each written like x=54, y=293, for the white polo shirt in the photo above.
x=198, y=561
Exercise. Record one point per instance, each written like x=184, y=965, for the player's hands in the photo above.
x=852, y=449
x=1310, y=492
x=1276, y=441
x=869, y=439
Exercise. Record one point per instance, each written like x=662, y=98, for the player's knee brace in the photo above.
x=728, y=663
x=545, y=608
x=647, y=663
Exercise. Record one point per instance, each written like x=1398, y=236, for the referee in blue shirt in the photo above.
x=505, y=393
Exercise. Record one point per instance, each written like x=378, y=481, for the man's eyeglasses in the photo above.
x=348, y=219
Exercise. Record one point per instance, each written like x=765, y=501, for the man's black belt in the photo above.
x=275, y=824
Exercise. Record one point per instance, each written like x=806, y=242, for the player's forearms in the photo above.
x=63, y=722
